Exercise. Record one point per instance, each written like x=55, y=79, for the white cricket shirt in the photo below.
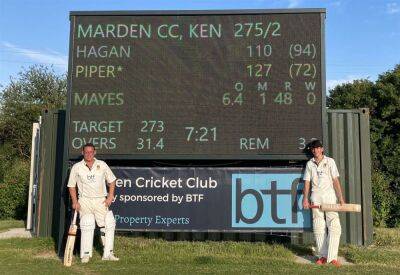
x=321, y=175
x=91, y=182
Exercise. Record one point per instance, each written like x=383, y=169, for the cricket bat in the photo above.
x=347, y=207
x=69, y=247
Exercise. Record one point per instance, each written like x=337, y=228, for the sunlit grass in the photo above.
x=7, y=224
x=140, y=255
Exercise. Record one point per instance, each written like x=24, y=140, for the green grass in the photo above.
x=7, y=224
x=142, y=255
x=387, y=237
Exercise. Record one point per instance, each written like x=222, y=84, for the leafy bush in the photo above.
x=383, y=100
x=14, y=190
x=382, y=199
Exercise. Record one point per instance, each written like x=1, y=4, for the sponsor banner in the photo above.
x=209, y=199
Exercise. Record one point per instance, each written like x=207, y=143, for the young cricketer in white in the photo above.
x=321, y=174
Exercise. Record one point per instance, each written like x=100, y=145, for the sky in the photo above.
x=362, y=36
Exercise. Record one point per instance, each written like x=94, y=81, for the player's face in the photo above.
x=88, y=153
x=317, y=152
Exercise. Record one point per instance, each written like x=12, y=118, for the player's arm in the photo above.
x=338, y=190
x=74, y=198
x=110, y=196
x=306, y=193
x=111, y=180
x=72, y=190
x=307, y=186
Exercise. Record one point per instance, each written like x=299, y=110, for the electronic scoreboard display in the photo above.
x=196, y=84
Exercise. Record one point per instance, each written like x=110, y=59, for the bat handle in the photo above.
x=315, y=206
x=74, y=219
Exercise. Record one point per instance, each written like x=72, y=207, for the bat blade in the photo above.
x=69, y=247
x=347, y=207
x=69, y=251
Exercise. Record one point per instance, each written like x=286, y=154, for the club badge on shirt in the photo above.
x=321, y=172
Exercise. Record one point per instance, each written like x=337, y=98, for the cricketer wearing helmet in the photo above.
x=322, y=176
x=90, y=176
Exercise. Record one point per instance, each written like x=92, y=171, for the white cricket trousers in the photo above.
x=327, y=244
x=94, y=206
x=94, y=209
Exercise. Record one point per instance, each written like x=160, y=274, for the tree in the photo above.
x=383, y=100
x=387, y=95
x=352, y=95
x=21, y=102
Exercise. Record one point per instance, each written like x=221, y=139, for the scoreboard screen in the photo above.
x=196, y=84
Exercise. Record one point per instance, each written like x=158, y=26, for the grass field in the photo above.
x=142, y=255
x=6, y=224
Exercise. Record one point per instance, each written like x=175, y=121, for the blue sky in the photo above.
x=362, y=36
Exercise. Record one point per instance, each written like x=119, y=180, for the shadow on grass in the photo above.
x=304, y=251
x=205, y=260
x=300, y=249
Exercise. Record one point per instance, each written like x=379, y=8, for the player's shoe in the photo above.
x=335, y=263
x=85, y=259
x=111, y=257
x=321, y=261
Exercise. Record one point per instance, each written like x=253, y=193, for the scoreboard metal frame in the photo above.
x=155, y=156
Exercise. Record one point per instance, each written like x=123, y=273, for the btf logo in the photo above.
x=90, y=178
x=268, y=201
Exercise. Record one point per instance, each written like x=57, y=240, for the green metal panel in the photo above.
x=46, y=173
x=366, y=187
x=346, y=152
x=347, y=142
x=349, y=132
x=51, y=137
x=229, y=236
x=59, y=190
x=198, y=236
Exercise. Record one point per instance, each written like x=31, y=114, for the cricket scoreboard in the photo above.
x=196, y=84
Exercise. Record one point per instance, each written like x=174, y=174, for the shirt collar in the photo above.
x=84, y=162
x=322, y=160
